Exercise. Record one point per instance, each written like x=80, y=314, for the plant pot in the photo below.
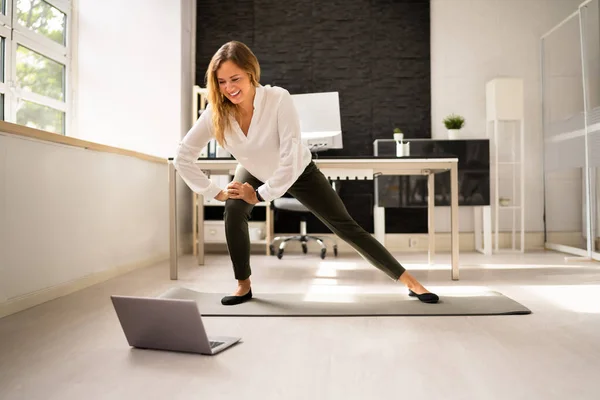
x=398, y=137
x=453, y=133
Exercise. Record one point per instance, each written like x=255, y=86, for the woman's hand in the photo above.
x=222, y=196
x=242, y=191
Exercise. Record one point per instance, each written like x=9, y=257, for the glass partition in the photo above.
x=571, y=124
x=590, y=22
x=564, y=139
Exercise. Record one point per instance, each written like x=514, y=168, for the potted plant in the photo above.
x=398, y=135
x=454, y=123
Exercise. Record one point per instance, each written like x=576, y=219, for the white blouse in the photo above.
x=272, y=152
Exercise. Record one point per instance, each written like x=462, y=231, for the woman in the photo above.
x=259, y=126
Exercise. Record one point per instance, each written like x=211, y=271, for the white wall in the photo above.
x=473, y=41
x=3, y=232
x=128, y=74
x=68, y=214
x=133, y=79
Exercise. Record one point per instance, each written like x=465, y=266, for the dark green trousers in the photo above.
x=314, y=191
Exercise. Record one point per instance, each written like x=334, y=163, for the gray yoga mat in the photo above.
x=361, y=304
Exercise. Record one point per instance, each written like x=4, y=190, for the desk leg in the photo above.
x=379, y=224
x=487, y=230
x=477, y=229
x=200, y=227
x=194, y=223
x=270, y=227
x=431, y=215
x=483, y=222
x=454, y=218
x=173, y=221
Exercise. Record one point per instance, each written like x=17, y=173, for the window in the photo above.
x=35, y=53
x=42, y=18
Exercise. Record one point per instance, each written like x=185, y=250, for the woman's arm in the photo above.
x=290, y=153
x=187, y=153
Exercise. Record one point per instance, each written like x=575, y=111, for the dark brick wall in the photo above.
x=375, y=53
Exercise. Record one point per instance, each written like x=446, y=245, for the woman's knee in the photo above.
x=236, y=209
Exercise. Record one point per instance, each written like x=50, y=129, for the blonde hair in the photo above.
x=222, y=108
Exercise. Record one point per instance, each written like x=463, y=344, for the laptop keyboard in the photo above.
x=215, y=344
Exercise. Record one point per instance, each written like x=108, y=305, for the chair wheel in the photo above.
x=323, y=253
x=304, y=248
x=335, y=253
x=271, y=250
x=280, y=253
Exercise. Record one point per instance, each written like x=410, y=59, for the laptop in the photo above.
x=166, y=324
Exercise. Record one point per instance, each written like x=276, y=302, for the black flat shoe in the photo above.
x=233, y=300
x=425, y=297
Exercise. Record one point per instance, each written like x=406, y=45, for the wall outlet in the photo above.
x=412, y=242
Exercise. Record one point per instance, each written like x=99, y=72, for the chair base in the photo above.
x=303, y=239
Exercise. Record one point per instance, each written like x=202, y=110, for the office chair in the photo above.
x=291, y=204
x=321, y=129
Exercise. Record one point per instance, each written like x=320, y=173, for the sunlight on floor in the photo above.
x=331, y=294
x=577, y=298
x=337, y=265
x=530, y=266
x=325, y=287
x=324, y=281
x=443, y=267
x=348, y=266
x=426, y=266
x=326, y=271
x=462, y=291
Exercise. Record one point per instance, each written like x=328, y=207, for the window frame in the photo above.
x=31, y=45
x=16, y=35
x=38, y=37
x=6, y=85
x=6, y=18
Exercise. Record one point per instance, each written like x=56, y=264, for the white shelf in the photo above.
x=505, y=128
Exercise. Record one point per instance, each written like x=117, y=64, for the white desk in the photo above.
x=334, y=168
